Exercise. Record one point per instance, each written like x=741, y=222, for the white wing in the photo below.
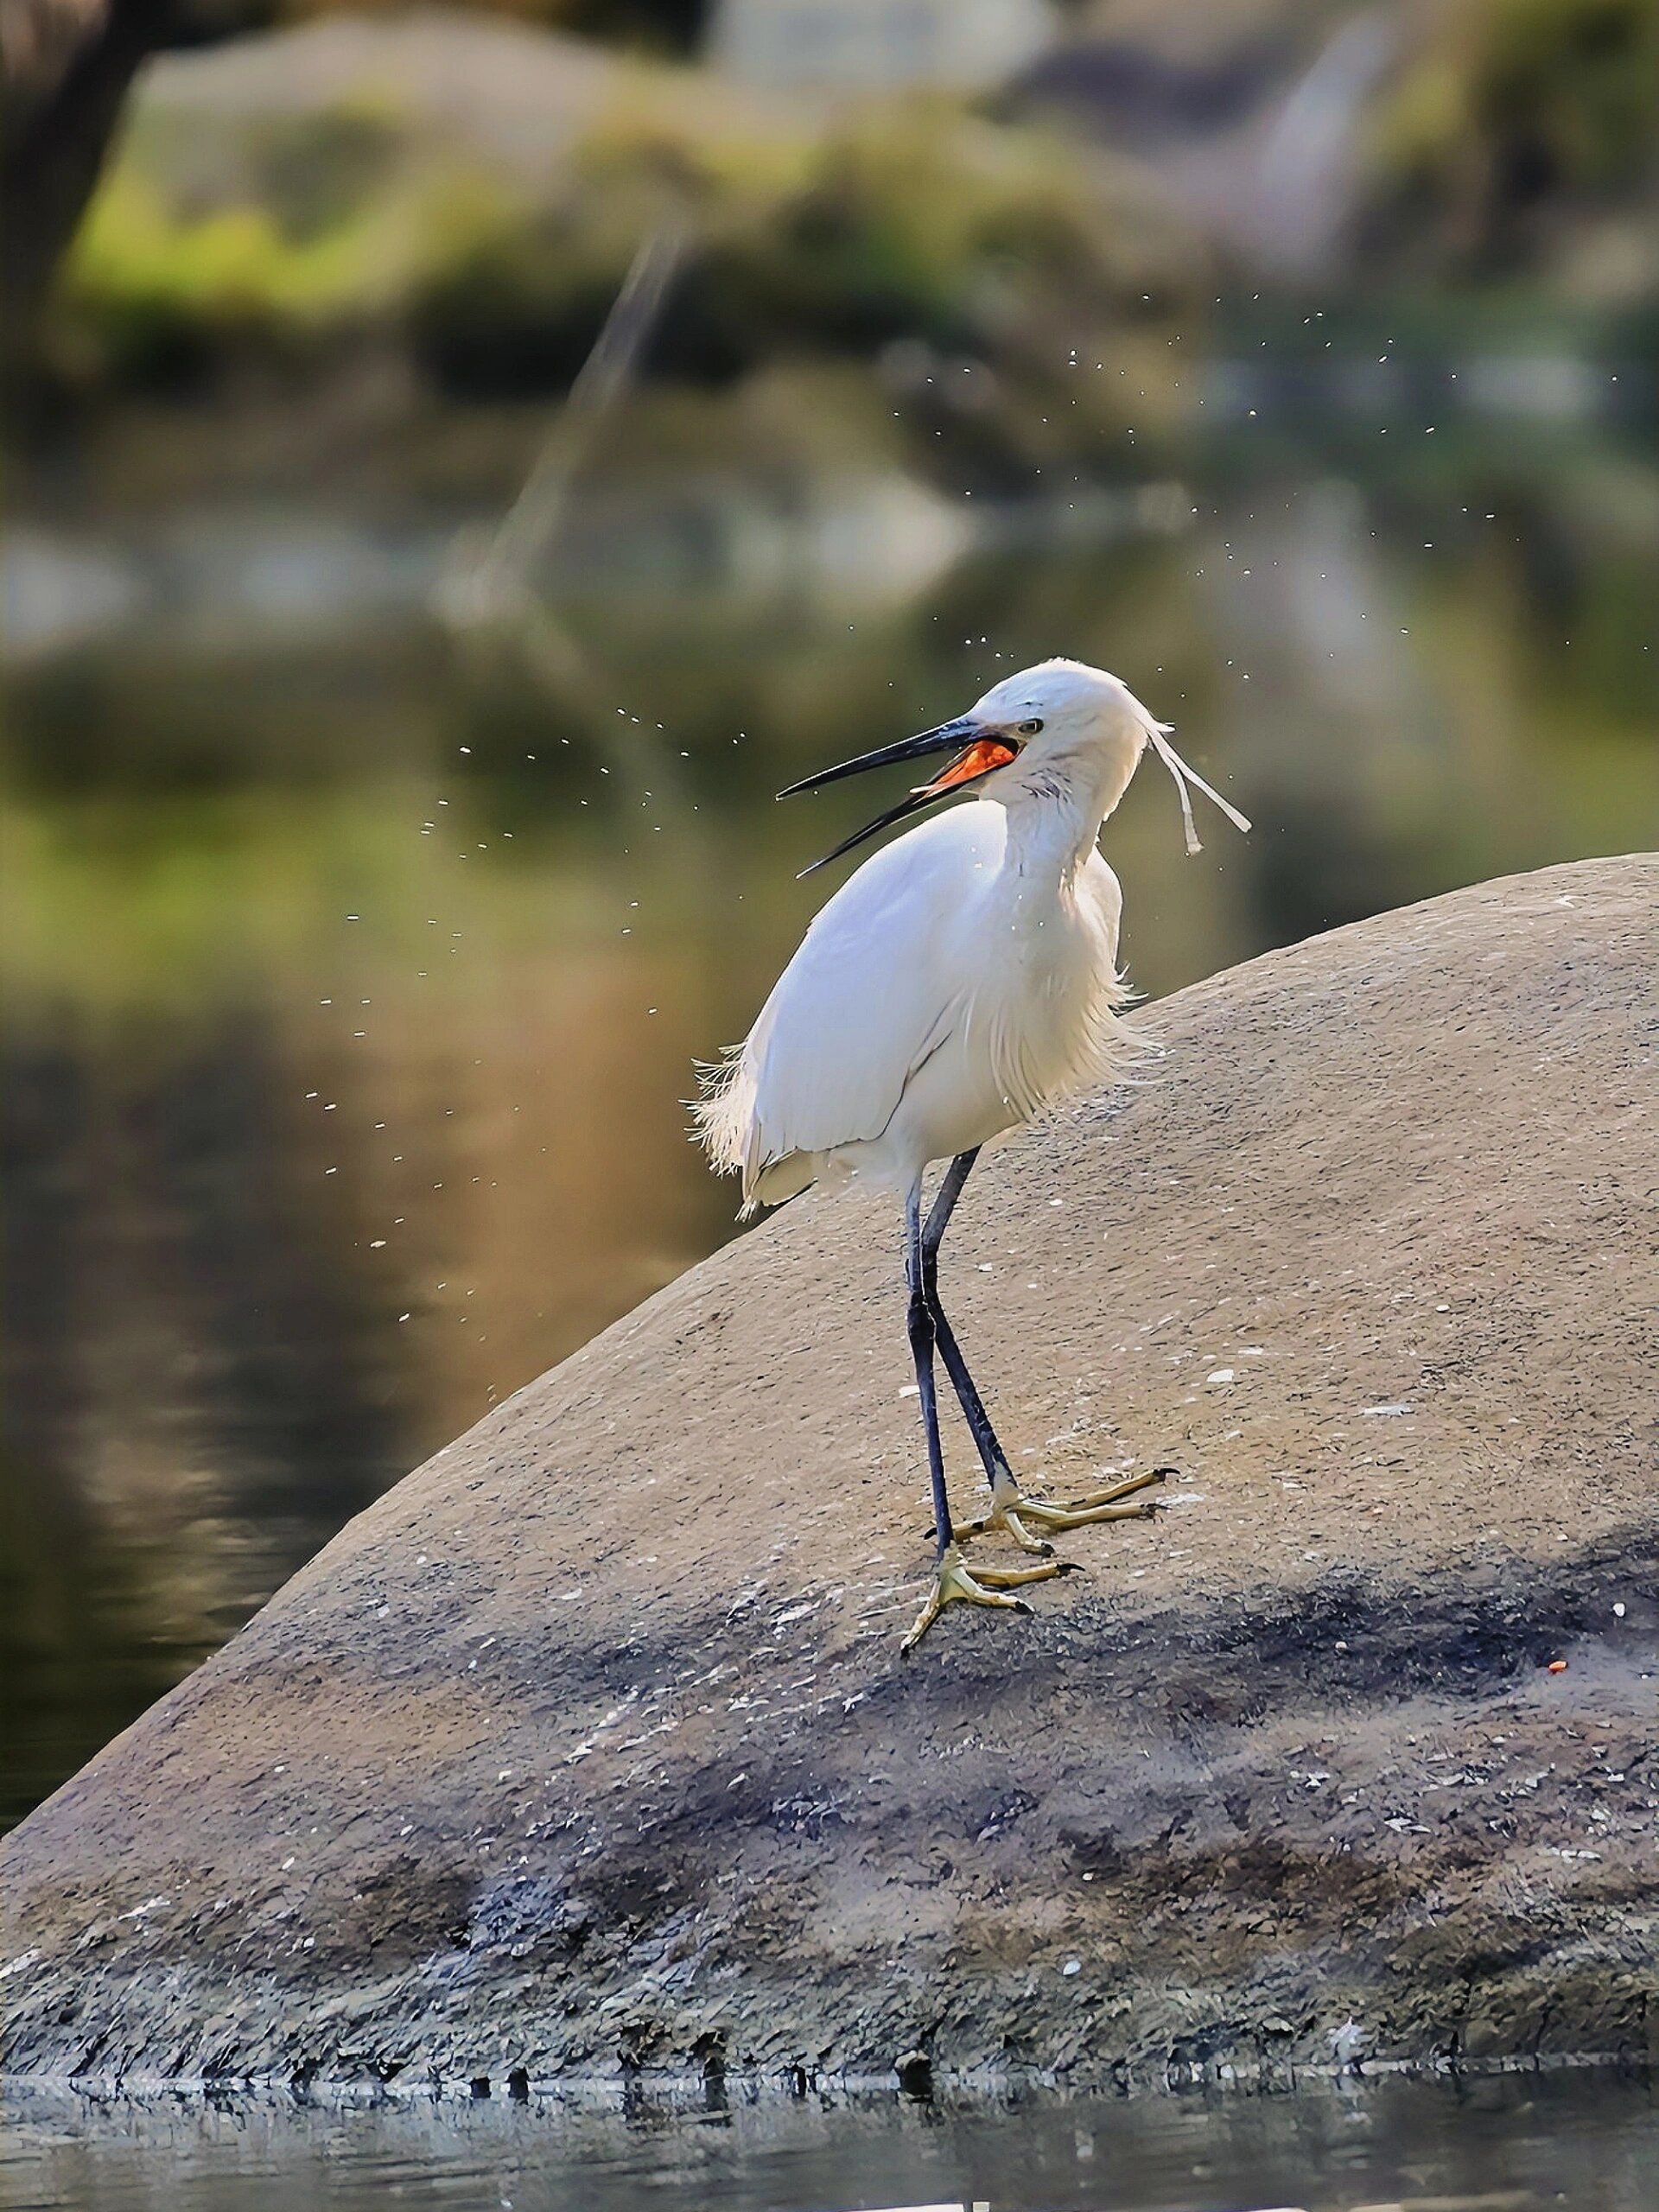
x=876, y=987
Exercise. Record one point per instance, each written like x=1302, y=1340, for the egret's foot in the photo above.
x=953, y=1585
x=1010, y=1510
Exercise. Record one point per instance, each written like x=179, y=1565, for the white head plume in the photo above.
x=1076, y=700
x=1158, y=735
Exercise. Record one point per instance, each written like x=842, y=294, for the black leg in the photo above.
x=973, y=1406
x=1010, y=1510
x=928, y=1331
x=922, y=1329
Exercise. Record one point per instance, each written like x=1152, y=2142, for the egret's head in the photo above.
x=1064, y=715
x=1060, y=724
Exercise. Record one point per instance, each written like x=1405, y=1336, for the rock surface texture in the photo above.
x=589, y=1747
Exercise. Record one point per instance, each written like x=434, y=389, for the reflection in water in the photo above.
x=354, y=971
x=1505, y=2143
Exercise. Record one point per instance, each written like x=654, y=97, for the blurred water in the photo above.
x=353, y=967
x=1510, y=2143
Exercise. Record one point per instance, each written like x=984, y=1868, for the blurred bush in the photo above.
x=1522, y=135
x=460, y=196
x=169, y=275
x=917, y=222
x=323, y=220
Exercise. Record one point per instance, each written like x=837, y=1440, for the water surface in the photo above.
x=1586, y=2141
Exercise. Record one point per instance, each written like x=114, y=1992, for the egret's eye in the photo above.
x=1030, y=729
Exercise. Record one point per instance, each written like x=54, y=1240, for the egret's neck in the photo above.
x=1055, y=808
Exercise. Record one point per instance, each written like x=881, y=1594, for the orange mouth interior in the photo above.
x=981, y=756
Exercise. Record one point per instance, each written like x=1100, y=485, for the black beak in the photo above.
x=960, y=731
x=963, y=735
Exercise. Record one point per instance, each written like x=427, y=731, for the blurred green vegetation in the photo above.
x=1517, y=131
x=272, y=224
x=314, y=235
x=151, y=287
x=927, y=222
x=273, y=229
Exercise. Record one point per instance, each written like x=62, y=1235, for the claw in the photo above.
x=1081, y=1515
x=1010, y=1510
x=1116, y=1491
x=988, y=1522
x=953, y=1585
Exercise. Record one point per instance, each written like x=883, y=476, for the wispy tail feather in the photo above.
x=723, y=1121
x=723, y=1109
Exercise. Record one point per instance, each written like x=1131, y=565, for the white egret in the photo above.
x=965, y=977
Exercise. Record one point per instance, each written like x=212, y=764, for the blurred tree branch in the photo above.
x=65, y=69
x=65, y=66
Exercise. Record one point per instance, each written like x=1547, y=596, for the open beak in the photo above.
x=979, y=753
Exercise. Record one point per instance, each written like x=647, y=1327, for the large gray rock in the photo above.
x=590, y=1747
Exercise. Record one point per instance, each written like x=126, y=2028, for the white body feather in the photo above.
x=966, y=976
